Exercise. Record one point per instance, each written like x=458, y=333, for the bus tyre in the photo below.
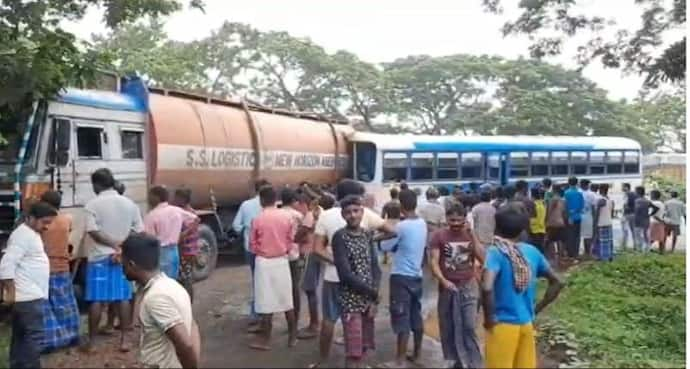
x=208, y=253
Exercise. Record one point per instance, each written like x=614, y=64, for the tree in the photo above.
x=38, y=57
x=661, y=114
x=550, y=22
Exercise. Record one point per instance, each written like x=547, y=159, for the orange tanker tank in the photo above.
x=219, y=147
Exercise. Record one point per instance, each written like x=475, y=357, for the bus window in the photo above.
x=539, y=164
x=471, y=166
x=422, y=166
x=614, y=162
x=365, y=153
x=447, y=165
x=394, y=166
x=596, y=162
x=578, y=161
x=494, y=166
x=519, y=164
x=559, y=163
x=632, y=162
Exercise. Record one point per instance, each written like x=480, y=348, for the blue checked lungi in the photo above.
x=106, y=282
x=603, y=247
x=60, y=314
x=169, y=262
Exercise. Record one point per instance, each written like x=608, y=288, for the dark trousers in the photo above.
x=250, y=257
x=27, y=334
x=573, y=244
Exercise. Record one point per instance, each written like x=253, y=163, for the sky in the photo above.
x=383, y=30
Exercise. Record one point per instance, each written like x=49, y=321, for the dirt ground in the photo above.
x=221, y=310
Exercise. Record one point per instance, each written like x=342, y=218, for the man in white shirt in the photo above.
x=110, y=218
x=169, y=335
x=329, y=222
x=25, y=275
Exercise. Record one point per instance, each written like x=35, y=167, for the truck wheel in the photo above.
x=208, y=253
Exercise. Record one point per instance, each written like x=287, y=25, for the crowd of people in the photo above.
x=486, y=248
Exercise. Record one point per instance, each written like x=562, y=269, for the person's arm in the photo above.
x=653, y=208
x=375, y=269
x=137, y=221
x=185, y=347
x=436, y=270
x=342, y=264
x=8, y=267
x=492, y=267
x=94, y=230
x=321, y=248
x=554, y=288
x=238, y=222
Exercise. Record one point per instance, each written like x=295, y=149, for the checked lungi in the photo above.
x=106, y=282
x=603, y=247
x=60, y=314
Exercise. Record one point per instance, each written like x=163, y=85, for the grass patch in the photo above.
x=628, y=313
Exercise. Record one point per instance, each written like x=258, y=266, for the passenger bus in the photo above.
x=382, y=161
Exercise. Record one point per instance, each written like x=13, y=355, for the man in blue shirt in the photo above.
x=509, y=286
x=575, y=203
x=242, y=224
x=406, y=279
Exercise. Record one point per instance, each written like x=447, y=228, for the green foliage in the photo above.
x=666, y=185
x=628, y=313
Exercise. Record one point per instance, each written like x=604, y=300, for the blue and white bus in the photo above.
x=381, y=161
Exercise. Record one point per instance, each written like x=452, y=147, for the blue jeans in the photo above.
x=250, y=257
x=27, y=334
x=169, y=262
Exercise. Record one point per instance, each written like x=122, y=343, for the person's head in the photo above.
x=594, y=187
x=408, y=201
x=674, y=194
x=348, y=187
x=626, y=187
x=102, y=180
x=267, y=196
x=40, y=215
x=158, y=195
x=326, y=201
x=499, y=193
x=640, y=191
x=140, y=255
x=485, y=196
x=456, y=217
x=352, y=210
x=432, y=193
x=288, y=197
x=52, y=198
x=584, y=184
x=394, y=193
x=655, y=195
x=259, y=183
x=546, y=182
x=511, y=222
x=537, y=193
x=572, y=181
x=457, y=192
x=509, y=192
x=404, y=186
x=521, y=187
x=183, y=197
x=604, y=189
x=120, y=187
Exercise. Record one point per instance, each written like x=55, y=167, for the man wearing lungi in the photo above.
x=60, y=313
x=164, y=222
x=110, y=218
x=24, y=276
x=453, y=255
x=603, y=241
x=509, y=286
x=271, y=241
x=356, y=260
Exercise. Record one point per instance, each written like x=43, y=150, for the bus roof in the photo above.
x=102, y=100
x=494, y=143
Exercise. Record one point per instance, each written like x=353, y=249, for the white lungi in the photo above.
x=272, y=285
x=587, y=226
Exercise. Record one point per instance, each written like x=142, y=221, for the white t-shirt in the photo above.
x=331, y=221
x=165, y=304
x=25, y=261
x=113, y=214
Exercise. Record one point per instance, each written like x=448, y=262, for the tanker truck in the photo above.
x=148, y=136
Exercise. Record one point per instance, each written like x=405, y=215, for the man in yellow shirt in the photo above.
x=537, y=222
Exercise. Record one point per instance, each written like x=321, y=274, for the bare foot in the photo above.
x=259, y=346
x=307, y=333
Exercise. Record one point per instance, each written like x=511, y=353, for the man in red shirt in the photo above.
x=271, y=240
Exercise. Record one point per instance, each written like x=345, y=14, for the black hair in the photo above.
x=485, y=196
x=521, y=186
x=509, y=192
x=350, y=200
x=267, y=196
x=42, y=209
x=655, y=194
x=160, y=192
x=456, y=209
x=547, y=182
x=594, y=187
x=408, y=200
x=585, y=183
x=639, y=190
x=674, y=194
x=626, y=185
x=184, y=194
x=326, y=202
x=572, y=181
x=103, y=177
x=537, y=193
x=143, y=250
x=499, y=192
x=394, y=193
x=348, y=187
x=52, y=198
x=288, y=196
x=404, y=186
x=119, y=187
x=604, y=189
x=511, y=222
x=260, y=183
